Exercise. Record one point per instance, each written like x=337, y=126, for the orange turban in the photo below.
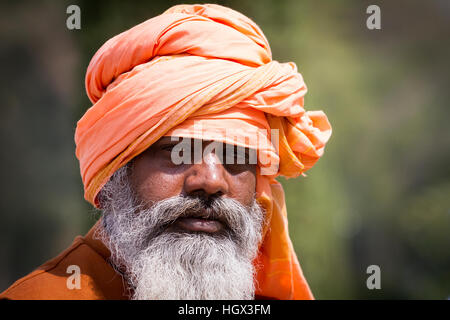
x=211, y=65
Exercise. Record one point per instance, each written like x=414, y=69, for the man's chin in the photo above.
x=194, y=266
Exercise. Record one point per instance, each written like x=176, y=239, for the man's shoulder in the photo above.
x=79, y=272
x=42, y=282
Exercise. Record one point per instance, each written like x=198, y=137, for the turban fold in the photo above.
x=211, y=65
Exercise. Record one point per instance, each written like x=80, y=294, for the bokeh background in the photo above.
x=380, y=195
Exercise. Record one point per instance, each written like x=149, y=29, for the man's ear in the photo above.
x=99, y=200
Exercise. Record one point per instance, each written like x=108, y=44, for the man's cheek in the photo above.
x=160, y=187
x=246, y=188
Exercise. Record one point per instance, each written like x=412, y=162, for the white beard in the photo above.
x=162, y=264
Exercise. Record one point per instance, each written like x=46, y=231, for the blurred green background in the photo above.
x=380, y=195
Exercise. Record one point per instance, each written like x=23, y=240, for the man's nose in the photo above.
x=207, y=177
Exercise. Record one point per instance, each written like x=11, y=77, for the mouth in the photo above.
x=192, y=224
x=198, y=222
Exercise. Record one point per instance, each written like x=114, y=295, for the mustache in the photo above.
x=225, y=210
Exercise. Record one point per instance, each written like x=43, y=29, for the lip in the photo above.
x=198, y=225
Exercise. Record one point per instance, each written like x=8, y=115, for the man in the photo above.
x=191, y=123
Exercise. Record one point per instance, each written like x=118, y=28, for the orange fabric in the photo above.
x=211, y=65
x=98, y=280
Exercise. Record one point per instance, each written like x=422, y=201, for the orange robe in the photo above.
x=99, y=281
x=49, y=281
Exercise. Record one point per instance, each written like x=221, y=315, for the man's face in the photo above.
x=186, y=231
x=155, y=177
